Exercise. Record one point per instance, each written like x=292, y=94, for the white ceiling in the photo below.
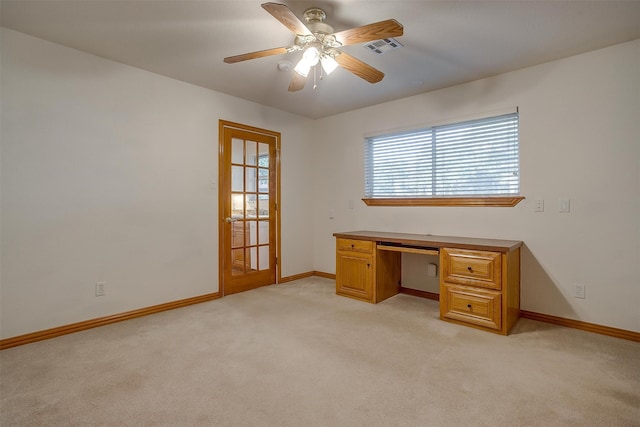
x=445, y=42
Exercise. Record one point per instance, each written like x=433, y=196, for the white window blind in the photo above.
x=468, y=159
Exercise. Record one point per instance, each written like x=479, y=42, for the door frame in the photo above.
x=222, y=125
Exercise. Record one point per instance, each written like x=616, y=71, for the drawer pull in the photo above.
x=469, y=268
x=469, y=306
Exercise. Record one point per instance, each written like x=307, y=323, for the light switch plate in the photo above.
x=100, y=289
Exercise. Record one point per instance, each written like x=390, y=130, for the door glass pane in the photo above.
x=252, y=155
x=263, y=232
x=251, y=179
x=251, y=205
x=237, y=151
x=263, y=155
x=263, y=205
x=263, y=180
x=252, y=233
x=237, y=235
x=237, y=205
x=237, y=262
x=254, y=258
x=237, y=181
x=263, y=256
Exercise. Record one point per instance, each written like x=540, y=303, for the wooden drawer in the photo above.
x=364, y=246
x=473, y=268
x=473, y=306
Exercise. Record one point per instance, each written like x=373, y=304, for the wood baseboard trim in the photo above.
x=325, y=275
x=419, y=293
x=101, y=321
x=560, y=321
x=295, y=277
x=583, y=326
x=307, y=274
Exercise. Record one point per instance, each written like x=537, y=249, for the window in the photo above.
x=468, y=163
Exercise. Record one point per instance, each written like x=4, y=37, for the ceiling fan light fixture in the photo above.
x=310, y=57
x=328, y=64
x=302, y=68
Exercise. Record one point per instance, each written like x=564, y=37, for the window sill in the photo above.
x=508, y=201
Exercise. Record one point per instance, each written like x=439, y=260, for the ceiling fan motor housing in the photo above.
x=314, y=19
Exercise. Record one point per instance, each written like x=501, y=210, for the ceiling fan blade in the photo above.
x=367, y=33
x=359, y=68
x=254, y=55
x=287, y=18
x=297, y=82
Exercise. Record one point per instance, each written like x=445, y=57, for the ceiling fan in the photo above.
x=319, y=43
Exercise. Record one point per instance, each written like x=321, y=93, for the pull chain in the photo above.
x=315, y=77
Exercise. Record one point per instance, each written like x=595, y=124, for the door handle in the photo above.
x=230, y=220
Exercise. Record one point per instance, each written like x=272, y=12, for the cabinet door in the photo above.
x=354, y=276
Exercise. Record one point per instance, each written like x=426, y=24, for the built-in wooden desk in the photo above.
x=479, y=278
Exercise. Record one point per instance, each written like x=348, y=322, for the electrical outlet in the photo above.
x=539, y=205
x=580, y=291
x=100, y=291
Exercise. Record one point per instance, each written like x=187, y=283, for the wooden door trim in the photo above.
x=222, y=125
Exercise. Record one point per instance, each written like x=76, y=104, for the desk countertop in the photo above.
x=428, y=240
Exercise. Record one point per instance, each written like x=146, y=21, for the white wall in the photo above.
x=579, y=138
x=106, y=173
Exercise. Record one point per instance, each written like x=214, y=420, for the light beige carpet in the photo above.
x=298, y=355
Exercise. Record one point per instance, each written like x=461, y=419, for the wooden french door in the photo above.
x=248, y=215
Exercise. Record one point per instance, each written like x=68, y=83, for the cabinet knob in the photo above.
x=469, y=268
x=468, y=305
x=368, y=265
